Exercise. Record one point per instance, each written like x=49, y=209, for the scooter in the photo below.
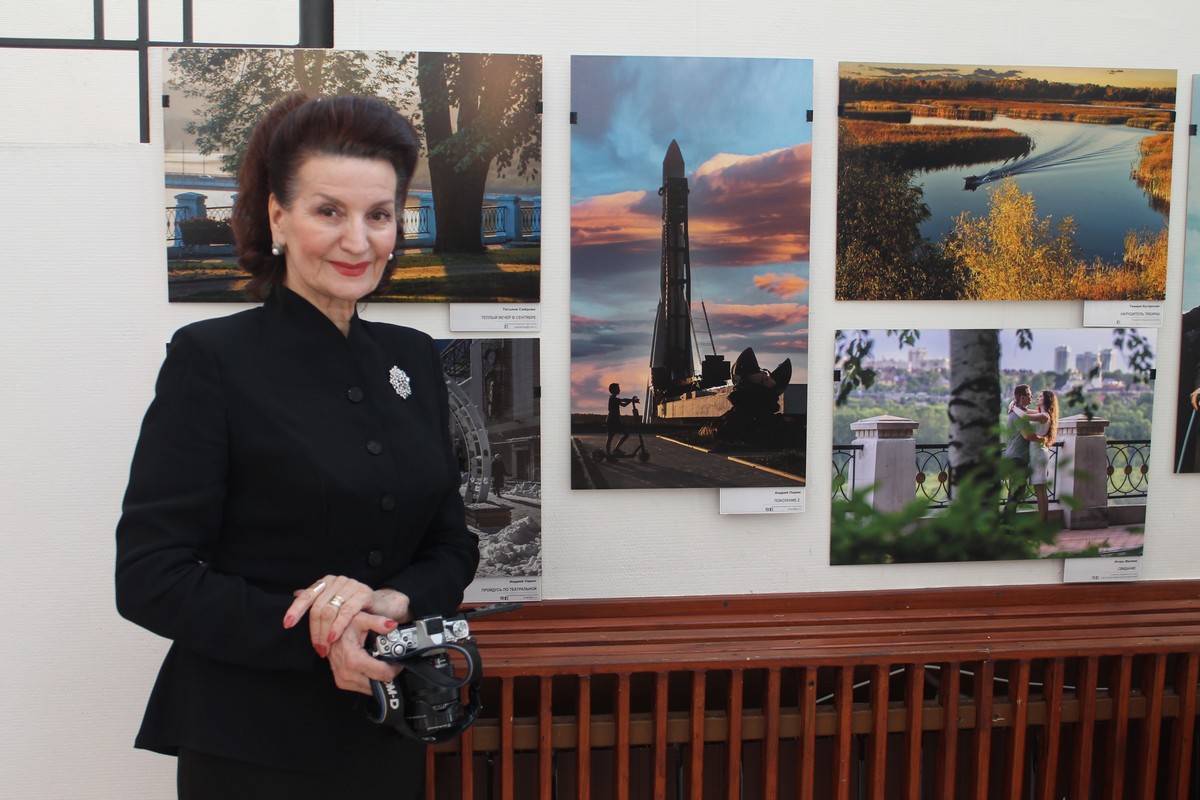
x=640, y=452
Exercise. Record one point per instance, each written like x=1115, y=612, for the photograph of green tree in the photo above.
x=472, y=223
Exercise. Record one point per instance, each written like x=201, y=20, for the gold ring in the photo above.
x=337, y=601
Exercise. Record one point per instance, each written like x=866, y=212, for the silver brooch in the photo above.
x=400, y=382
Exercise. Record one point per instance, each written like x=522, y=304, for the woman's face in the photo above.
x=340, y=229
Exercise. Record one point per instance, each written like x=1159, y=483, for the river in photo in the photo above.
x=1077, y=169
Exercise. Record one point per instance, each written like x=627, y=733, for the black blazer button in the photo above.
x=354, y=394
x=374, y=447
x=374, y=558
x=387, y=502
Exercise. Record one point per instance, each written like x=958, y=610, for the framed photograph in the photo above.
x=983, y=182
x=496, y=429
x=690, y=184
x=1187, y=413
x=472, y=223
x=982, y=445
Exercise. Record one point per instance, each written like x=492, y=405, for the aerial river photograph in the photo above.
x=970, y=182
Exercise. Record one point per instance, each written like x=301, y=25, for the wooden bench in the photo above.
x=1032, y=691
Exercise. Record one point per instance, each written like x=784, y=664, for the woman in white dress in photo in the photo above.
x=1041, y=441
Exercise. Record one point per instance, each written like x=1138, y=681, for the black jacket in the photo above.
x=1187, y=448
x=277, y=450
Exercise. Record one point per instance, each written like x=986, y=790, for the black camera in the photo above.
x=425, y=702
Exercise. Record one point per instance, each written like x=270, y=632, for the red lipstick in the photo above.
x=350, y=270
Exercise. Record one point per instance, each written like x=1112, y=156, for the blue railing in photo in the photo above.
x=493, y=221
x=213, y=241
x=420, y=222
x=416, y=221
x=173, y=217
x=531, y=222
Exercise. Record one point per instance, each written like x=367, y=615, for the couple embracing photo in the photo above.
x=1029, y=436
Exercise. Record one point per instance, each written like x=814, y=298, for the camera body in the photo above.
x=425, y=700
x=420, y=634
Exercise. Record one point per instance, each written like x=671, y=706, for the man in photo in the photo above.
x=499, y=473
x=1016, y=447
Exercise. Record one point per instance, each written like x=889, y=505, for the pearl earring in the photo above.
x=276, y=249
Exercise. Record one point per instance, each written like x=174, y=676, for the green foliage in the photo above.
x=239, y=85
x=493, y=98
x=1139, y=355
x=910, y=88
x=931, y=417
x=202, y=230
x=974, y=527
x=862, y=390
x=507, y=255
x=1011, y=253
x=481, y=287
x=476, y=112
x=881, y=254
x=850, y=354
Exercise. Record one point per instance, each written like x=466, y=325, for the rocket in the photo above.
x=672, y=366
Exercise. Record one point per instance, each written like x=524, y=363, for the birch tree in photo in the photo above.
x=974, y=405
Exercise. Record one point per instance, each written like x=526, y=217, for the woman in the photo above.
x=294, y=487
x=1041, y=441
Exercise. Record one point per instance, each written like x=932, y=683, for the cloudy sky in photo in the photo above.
x=741, y=127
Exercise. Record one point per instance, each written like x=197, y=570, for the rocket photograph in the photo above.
x=690, y=297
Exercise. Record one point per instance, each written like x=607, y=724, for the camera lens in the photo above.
x=431, y=708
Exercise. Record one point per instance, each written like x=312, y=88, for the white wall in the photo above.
x=86, y=318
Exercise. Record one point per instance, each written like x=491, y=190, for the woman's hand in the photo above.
x=331, y=604
x=389, y=603
x=353, y=668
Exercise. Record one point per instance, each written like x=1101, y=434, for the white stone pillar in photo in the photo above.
x=887, y=459
x=1083, y=470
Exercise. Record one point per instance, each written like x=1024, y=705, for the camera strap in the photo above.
x=388, y=708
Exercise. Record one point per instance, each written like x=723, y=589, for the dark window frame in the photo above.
x=316, y=30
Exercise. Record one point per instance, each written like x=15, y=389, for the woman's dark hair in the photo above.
x=295, y=129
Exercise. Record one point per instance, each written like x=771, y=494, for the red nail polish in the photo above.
x=288, y=621
x=389, y=624
x=332, y=637
x=322, y=650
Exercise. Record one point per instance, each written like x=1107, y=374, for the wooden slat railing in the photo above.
x=1018, y=692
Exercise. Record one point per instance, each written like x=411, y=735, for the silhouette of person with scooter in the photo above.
x=615, y=426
